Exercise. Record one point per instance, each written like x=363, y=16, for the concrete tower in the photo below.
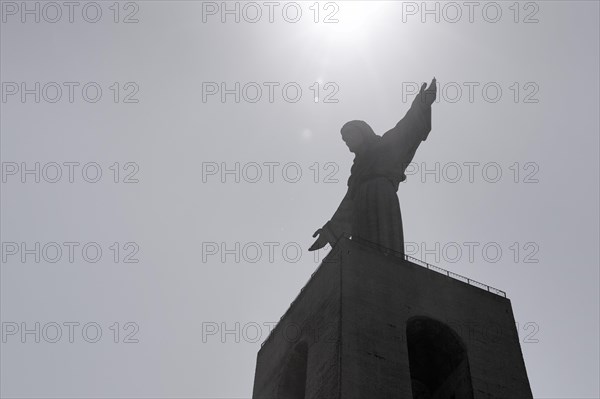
x=371, y=325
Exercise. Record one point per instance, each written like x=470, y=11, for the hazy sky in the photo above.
x=217, y=200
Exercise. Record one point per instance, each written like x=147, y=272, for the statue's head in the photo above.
x=357, y=135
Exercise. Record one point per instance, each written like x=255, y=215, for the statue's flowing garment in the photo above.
x=371, y=210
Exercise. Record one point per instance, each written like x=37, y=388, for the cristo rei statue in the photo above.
x=370, y=209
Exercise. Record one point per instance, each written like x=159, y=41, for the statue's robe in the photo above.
x=370, y=210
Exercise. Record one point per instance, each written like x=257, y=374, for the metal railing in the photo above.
x=428, y=266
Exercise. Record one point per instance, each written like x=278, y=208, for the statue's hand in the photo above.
x=320, y=242
x=323, y=240
x=427, y=95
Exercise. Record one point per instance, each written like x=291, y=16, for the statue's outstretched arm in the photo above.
x=406, y=136
x=334, y=229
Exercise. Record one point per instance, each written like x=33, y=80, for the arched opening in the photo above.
x=439, y=367
x=292, y=384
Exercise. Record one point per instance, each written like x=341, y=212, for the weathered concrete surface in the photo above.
x=313, y=319
x=351, y=318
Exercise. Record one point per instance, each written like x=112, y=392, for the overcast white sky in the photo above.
x=518, y=96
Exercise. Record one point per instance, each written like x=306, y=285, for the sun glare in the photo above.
x=348, y=22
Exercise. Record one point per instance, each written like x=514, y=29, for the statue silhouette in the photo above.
x=370, y=209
